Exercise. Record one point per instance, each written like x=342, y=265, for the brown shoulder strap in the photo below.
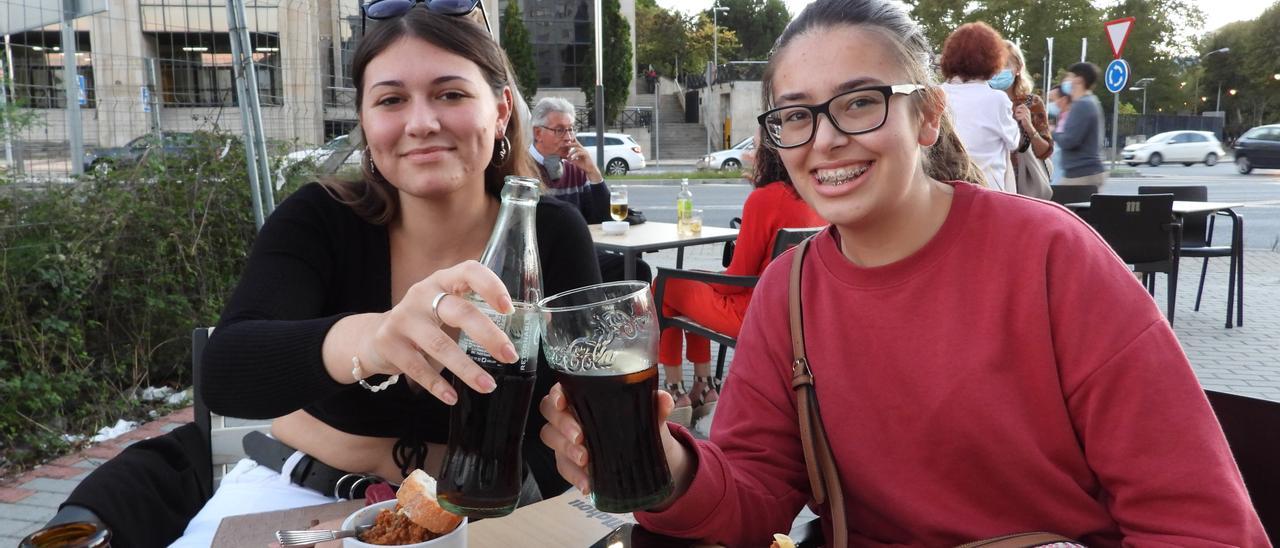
x=824, y=480
x=1021, y=540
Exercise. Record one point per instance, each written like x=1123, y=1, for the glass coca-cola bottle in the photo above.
x=482, y=466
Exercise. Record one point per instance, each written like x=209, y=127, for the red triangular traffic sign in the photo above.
x=1118, y=33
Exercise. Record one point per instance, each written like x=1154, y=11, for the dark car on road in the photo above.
x=1258, y=148
x=130, y=154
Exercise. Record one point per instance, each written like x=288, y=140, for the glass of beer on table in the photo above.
x=602, y=342
x=618, y=203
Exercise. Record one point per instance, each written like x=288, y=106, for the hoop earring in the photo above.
x=373, y=169
x=501, y=150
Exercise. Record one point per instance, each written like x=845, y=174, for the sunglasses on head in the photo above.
x=388, y=9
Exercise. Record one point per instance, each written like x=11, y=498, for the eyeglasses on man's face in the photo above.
x=559, y=131
x=862, y=110
x=388, y=9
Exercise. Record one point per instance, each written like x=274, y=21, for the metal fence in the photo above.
x=1142, y=126
x=166, y=66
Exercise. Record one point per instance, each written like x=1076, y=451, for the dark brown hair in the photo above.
x=373, y=197
x=975, y=51
x=947, y=159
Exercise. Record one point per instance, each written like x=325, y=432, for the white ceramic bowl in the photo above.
x=615, y=227
x=364, y=516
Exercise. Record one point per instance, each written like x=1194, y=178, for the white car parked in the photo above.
x=318, y=156
x=622, y=152
x=731, y=158
x=1186, y=147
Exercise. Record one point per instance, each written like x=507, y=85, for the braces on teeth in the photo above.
x=842, y=176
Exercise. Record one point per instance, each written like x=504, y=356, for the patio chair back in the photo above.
x=223, y=439
x=1139, y=228
x=1195, y=227
x=787, y=238
x=727, y=256
x=1070, y=194
x=1142, y=230
x=1252, y=428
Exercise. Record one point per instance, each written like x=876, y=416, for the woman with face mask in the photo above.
x=973, y=63
x=1029, y=112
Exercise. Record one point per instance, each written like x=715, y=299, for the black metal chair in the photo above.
x=1143, y=231
x=1252, y=428
x=223, y=439
x=1070, y=194
x=1197, y=241
x=727, y=257
x=785, y=239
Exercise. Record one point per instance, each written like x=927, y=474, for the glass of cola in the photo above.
x=602, y=341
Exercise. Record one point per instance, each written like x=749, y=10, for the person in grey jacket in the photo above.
x=1080, y=137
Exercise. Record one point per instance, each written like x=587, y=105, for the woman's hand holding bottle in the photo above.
x=417, y=336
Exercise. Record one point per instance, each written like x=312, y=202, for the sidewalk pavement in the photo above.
x=1243, y=360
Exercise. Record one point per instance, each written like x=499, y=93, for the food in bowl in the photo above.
x=414, y=518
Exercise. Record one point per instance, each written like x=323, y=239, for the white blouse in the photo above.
x=984, y=121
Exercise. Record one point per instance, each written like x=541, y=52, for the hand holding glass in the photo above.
x=602, y=341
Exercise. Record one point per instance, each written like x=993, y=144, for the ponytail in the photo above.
x=947, y=159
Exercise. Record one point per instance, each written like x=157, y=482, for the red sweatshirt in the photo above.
x=1011, y=375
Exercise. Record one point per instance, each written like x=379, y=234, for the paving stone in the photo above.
x=12, y=530
x=104, y=451
x=14, y=494
x=68, y=460
x=11, y=527
x=50, y=485
x=58, y=472
x=25, y=512
x=44, y=500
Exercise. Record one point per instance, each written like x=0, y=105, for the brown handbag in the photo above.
x=824, y=477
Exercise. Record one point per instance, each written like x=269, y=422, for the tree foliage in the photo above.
x=762, y=20
x=617, y=63
x=1250, y=68
x=672, y=42
x=515, y=40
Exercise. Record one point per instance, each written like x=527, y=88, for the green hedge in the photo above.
x=101, y=282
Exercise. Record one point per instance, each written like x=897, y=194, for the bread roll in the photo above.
x=417, y=498
x=782, y=541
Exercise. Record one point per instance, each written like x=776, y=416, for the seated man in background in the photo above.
x=570, y=175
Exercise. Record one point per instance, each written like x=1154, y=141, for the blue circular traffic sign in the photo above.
x=1116, y=76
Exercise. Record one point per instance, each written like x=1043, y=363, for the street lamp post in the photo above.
x=715, y=60
x=1142, y=85
x=1196, y=90
x=715, y=40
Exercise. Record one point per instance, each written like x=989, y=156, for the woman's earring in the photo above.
x=373, y=169
x=501, y=149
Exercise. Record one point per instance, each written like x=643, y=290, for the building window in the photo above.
x=560, y=32
x=37, y=69
x=196, y=69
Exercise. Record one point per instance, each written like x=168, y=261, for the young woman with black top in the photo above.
x=352, y=284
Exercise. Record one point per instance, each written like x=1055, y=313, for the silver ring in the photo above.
x=435, y=305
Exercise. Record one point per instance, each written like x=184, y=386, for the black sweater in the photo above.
x=314, y=262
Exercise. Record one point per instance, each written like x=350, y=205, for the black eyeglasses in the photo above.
x=388, y=9
x=853, y=112
x=560, y=132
